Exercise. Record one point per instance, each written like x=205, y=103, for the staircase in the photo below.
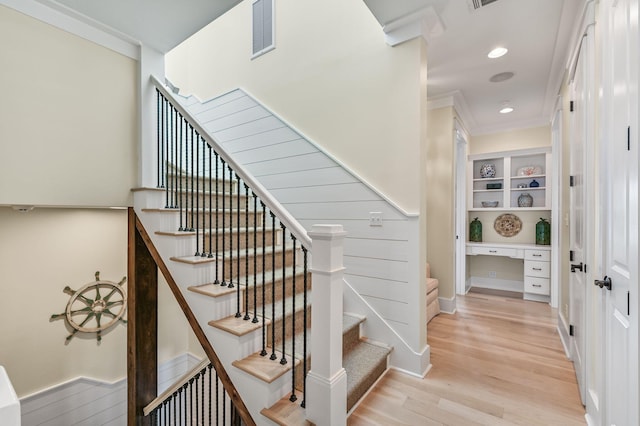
x=244, y=275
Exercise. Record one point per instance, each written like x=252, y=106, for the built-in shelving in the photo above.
x=512, y=169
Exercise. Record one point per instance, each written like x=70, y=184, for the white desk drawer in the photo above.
x=495, y=251
x=541, y=255
x=536, y=285
x=534, y=268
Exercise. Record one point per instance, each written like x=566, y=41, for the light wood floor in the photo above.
x=497, y=361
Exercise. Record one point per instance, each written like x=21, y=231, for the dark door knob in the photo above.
x=606, y=283
x=574, y=267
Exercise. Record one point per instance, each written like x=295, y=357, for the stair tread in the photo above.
x=285, y=413
x=210, y=231
x=211, y=290
x=228, y=255
x=364, y=364
x=237, y=325
x=263, y=367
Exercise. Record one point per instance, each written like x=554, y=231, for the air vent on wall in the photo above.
x=477, y=4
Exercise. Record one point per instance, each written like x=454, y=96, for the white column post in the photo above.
x=151, y=62
x=326, y=398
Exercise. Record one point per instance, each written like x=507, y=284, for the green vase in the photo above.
x=475, y=231
x=543, y=232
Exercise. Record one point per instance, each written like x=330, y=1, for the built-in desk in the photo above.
x=536, y=274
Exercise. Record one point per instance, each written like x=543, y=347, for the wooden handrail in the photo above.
x=193, y=322
x=265, y=196
x=174, y=388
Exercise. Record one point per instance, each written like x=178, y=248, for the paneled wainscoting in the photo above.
x=89, y=402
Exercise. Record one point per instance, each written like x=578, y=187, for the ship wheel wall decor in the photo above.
x=94, y=308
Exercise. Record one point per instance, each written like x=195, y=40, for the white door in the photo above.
x=577, y=277
x=619, y=150
x=461, y=210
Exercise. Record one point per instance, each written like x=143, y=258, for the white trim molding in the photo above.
x=448, y=305
x=72, y=22
x=423, y=23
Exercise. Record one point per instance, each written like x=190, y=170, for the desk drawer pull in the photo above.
x=536, y=255
x=493, y=251
x=537, y=285
x=537, y=269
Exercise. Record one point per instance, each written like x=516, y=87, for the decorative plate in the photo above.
x=529, y=171
x=507, y=225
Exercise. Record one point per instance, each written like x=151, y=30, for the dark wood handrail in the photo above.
x=202, y=338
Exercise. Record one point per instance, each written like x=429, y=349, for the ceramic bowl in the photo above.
x=489, y=204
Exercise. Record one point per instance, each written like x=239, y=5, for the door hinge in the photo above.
x=572, y=181
x=570, y=330
x=571, y=255
x=571, y=106
x=628, y=303
x=628, y=138
x=584, y=268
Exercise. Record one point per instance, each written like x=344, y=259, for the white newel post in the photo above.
x=151, y=63
x=326, y=398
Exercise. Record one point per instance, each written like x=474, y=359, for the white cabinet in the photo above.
x=510, y=175
x=537, y=274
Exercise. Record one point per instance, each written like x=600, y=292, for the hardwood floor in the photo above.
x=497, y=361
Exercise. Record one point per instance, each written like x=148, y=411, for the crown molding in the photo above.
x=59, y=16
x=423, y=23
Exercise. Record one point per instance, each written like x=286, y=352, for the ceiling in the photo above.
x=160, y=24
x=538, y=36
x=536, y=32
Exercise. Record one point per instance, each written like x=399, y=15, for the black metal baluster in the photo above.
x=185, y=403
x=273, y=287
x=185, y=176
x=238, y=315
x=202, y=374
x=255, y=258
x=204, y=198
x=192, y=172
x=197, y=399
x=173, y=411
x=174, y=158
x=164, y=148
x=224, y=211
x=209, y=398
x=179, y=404
x=264, y=284
x=246, y=253
x=224, y=406
x=217, y=280
x=293, y=396
x=191, y=400
x=231, y=285
x=196, y=165
x=164, y=413
x=217, y=398
x=304, y=324
x=211, y=209
x=179, y=173
x=283, y=361
x=158, y=134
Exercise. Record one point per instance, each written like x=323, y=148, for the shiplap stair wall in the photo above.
x=315, y=188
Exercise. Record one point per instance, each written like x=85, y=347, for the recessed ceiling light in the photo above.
x=506, y=110
x=497, y=52
x=500, y=77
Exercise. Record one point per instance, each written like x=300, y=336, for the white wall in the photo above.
x=68, y=118
x=43, y=251
x=331, y=76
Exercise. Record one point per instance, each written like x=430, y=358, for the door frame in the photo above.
x=461, y=141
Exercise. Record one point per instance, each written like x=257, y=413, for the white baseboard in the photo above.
x=447, y=305
x=497, y=284
x=87, y=401
x=563, y=331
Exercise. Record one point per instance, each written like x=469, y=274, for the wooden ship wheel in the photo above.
x=95, y=307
